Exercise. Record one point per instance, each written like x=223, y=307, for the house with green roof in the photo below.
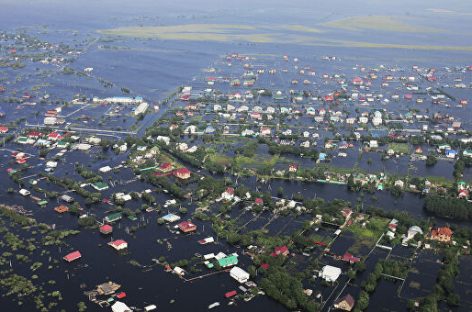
x=228, y=261
x=113, y=217
x=467, y=153
x=100, y=186
x=62, y=144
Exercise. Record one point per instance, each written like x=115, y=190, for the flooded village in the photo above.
x=255, y=178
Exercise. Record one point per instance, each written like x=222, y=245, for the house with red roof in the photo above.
x=256, y=115
x=265, y=131
x=34, y=134
x=228, y=194
x=72, y=256
x=357, y=81
x=265, y=266
x=259, y=201
x=441, y=234
x=3, y=129
x=61, y=209
x=21, y=161
x=280, y=250
x=118, y=244
x=187, y=227
x=51, y=113
x=329, y=98
x=182, y=173
x=347, y=257
x=166, y=167
x=55, y=136
x=292, y=167
x=106, y=229
x=346, y=212
x=463, y=194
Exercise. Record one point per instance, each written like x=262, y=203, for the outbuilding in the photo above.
x=72, y=256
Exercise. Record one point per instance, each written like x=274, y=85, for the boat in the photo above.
x=213, y=305
x=150, y=307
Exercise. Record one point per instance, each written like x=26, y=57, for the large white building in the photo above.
x=141, y=109
x=119, y=100
x=50, y=121
x=239, y=274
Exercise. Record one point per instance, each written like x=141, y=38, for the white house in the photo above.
x=182, y=146
x=239, y=274
x=105, y=169
x=24, y=192
x=120, y=307
x=247, y=132
x=164, y=139
x=191, y=129
x=373, y=144
x=51, y=164
x=330, y=273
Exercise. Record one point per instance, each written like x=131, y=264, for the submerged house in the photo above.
x=61, y=209
x=345, y=303
x=187, y=227
x=113, y=217
x=106, y=229
x=100, y=186
x=72, y=256
x=170, y=217
x=239, y=274
x=118, y=244
x=228, y=261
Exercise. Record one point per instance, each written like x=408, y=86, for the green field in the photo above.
x=323, y=35
x=368, y=235
x=399, y=148
x=379, y=23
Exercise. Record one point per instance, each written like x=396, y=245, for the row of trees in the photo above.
x=448, y=207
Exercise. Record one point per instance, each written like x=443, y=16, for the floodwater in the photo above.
x=154, y=68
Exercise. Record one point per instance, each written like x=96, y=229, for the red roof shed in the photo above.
x=72, y=256
x=187, y=226
x=230, y=294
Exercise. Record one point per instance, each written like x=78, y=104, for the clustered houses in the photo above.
x=236, y=107
x=284, y=118
x=55, y=139
x=259, y=108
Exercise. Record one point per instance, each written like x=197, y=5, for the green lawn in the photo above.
x=367, y=236
x=399, y=148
